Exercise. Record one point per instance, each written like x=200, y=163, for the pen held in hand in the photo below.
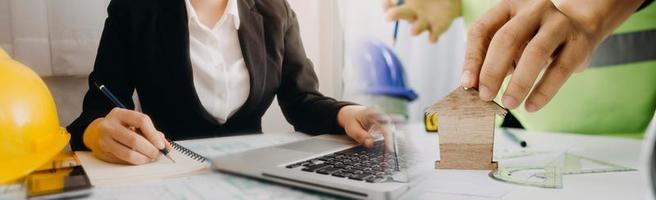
x=396, y=25
x=165, y=152
x=119, y=104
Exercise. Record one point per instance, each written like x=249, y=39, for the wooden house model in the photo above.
x=466, y=130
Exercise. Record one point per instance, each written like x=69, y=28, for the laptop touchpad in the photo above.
x=313, y=145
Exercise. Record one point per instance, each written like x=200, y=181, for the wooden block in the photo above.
x=461, y=129
x=465, y=102
x=466, y=130
x=481, y=153
x=470, y=166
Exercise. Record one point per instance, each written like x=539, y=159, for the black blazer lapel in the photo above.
x=173, y=27
x=253, y=48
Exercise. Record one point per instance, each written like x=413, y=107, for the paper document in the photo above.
x=474, y=184
x=104, y=173
x=212, y=147
x=444, y=196
x=212, y=185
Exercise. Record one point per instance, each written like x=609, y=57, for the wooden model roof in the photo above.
x=467, y=101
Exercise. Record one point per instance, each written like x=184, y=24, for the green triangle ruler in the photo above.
x=574, y=164
x=552, y=176
x=502, y=154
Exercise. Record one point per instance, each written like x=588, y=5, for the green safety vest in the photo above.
x=615, y=96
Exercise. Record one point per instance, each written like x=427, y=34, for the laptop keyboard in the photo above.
x=357, y=163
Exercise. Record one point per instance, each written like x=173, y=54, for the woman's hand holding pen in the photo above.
x=125, y=136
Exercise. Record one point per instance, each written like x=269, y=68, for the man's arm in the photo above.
x=600, y=18
x=530, y=38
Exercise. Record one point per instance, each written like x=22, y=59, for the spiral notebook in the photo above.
x=186, y=163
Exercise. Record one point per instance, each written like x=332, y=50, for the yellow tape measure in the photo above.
x=430, y=122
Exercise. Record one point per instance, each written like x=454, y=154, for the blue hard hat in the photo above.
x=382, y=71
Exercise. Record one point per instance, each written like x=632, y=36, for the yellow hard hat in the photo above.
x=30, y=134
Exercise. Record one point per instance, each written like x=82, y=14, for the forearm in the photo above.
x=346, y=113
x=313, y=114
x=599, y=17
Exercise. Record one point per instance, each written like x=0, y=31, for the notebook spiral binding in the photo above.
x=188, y=152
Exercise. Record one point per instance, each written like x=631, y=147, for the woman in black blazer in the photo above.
x=145, y=47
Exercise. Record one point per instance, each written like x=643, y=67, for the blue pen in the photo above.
x=118, y=103
x=109, y=95
x=396, y=24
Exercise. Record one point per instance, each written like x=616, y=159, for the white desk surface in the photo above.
x=618, y=185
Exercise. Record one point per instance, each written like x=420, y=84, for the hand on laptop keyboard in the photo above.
x=365, y=124
x=358, y=163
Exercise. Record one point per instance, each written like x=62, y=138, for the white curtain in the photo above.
x=432, y=70
x=53, y=37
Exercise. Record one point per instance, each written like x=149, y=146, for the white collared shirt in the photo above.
x=220, y=76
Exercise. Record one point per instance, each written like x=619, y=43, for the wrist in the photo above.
x=346, y=113
x=588, y=19
x=91, y=134
x=598, y=18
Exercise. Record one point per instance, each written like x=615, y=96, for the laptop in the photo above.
x=332, y=164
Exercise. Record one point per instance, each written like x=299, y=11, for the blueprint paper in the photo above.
x=212, y=185
x=473, y=183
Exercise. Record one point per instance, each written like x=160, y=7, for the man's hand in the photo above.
x=125, y=136
x=525, y=37
x=434, y=16
x=361, y=122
